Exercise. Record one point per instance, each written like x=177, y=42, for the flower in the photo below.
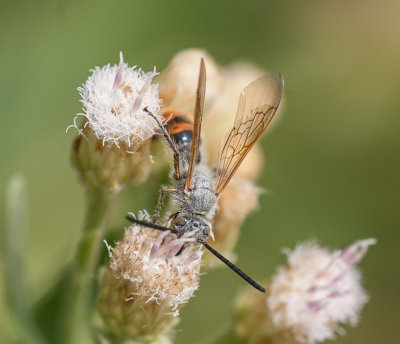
x=114, y=99
x=308, y=300
x=146, y=282
x=178, y=81
x=113, y=145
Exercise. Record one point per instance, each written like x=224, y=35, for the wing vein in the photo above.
x=198, y=114
x=257, y=106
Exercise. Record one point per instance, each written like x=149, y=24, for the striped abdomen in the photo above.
x=180, y=128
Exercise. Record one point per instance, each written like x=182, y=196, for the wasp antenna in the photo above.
x=246, y=277
x=150, y=225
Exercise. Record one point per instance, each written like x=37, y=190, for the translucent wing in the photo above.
x=198, y=115
x=258, y=103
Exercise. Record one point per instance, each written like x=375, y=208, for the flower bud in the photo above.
x=308, y=300
x=113, y=146
x=238, y=200
x=146, y=283
x=218, y=121
x=178, y=81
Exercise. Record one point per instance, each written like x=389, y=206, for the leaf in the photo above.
x=13, y=235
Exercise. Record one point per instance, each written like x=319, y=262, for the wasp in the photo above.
x=197, y=187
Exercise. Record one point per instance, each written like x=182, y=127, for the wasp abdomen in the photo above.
x=180, y=128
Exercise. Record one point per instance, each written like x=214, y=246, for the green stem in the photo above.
x=79, y=298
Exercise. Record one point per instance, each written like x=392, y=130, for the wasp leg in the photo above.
x=172, y=217
x=160, y=202
x=170, y=142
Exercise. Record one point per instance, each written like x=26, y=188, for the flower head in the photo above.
x=148, y=281
x=114, y=99
x=113, y=146
x=178, y=81
x=318, y=291
x=308, y=300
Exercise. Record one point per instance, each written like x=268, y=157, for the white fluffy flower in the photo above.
x=146, y=283
x=114, y=99
x=318, y=291
x=147, y=259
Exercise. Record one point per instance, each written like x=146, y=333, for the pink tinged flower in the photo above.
x=118, y=76
x=147, y=260
x=354, y=253
x=318, y=291
x=114, y=99
x=137, y=103
x=145, y=284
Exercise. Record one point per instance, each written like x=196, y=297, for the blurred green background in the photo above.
x=332, y=161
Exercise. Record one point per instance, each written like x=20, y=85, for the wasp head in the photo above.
x=192, y=225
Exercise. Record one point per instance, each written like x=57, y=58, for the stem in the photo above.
x=77, y=308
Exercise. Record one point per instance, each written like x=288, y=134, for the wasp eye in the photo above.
x=180, y=221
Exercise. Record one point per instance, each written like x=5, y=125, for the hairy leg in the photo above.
x=163, y=192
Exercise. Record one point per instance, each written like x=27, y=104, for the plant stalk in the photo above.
x=79, y=296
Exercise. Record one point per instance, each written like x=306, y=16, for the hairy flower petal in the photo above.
x=114, y=99
x=318, y=291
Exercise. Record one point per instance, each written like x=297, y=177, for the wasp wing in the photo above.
x=198, y=115
x=258, y=103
